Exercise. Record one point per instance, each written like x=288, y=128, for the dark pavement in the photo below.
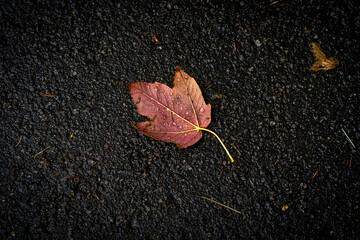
x=73, y=167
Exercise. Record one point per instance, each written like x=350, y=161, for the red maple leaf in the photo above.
x=177, y=115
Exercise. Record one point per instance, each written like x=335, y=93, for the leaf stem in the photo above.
x=204, y=129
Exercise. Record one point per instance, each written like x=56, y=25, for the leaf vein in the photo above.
x=147, y=95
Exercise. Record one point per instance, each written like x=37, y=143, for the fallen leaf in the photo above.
x=322, y=62
x=177, y=115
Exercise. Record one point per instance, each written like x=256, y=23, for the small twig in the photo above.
x=47, y=95
x=42, y=151
x=156, y=40
x=347, y=137
x=236, y=149
x=19, y=141
x=221, y=204
x=55, y=175
x=43, y=118
x=46, y=127
x=347, y=162
x=209, y=86
x=274, y=3
x=133, y=124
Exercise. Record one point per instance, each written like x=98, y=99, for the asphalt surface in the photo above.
x=73, y=167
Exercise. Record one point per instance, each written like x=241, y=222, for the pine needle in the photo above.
x=42, y=151
x=347, y=137
x=19, y=141
x=221, y=204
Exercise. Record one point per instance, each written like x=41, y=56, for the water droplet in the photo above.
x=202, y=109
x=174, y=123
x=180, y=127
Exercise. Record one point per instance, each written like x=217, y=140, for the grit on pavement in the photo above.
x=72, y=166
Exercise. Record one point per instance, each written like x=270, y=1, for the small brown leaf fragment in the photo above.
x=45, y=162
x=234, y=47
x=321, y=61
x=64, y=210
x=284, y=208
x=7, y=104
x=217, y=95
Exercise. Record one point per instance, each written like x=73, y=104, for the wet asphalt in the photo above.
x=73, y=167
